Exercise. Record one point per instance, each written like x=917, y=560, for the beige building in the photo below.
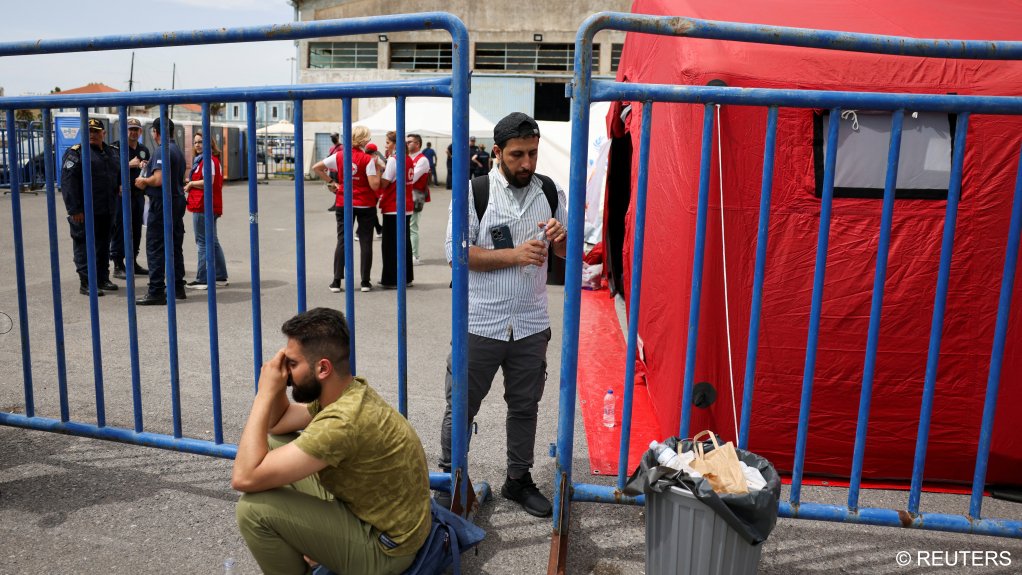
x=521, y=54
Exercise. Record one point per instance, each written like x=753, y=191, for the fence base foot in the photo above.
x=559, y=540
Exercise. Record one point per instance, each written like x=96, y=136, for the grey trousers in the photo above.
x=523, y=363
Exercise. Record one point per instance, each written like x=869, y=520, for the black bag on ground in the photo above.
x=753, y=515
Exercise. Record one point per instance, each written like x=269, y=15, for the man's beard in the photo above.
x=519, y=180
x=305, y=392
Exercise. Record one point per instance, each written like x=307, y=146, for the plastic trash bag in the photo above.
x=753, y=515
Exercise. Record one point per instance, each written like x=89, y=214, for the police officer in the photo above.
x=138, y=153
x=105, y=181
x=151, y=181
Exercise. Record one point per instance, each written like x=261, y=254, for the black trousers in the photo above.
x=154, y=244
x=137, y=202
x=523, y=363
x=389, y=276
x=366, y=220
x=101, y=229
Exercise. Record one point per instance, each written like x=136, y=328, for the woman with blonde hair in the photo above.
x=196, y=205
x=365, y=170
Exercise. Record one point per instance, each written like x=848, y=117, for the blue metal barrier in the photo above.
x=454, y=86
x=584, y=91
x=29, y=139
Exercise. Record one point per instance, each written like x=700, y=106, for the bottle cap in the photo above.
x=610, y=391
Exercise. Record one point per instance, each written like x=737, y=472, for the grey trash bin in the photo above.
x=686, y=537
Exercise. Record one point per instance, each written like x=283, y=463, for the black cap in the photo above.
x=95, y=124
x=514, y=125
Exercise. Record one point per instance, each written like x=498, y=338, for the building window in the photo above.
x=235, y=112
x=615, y=56
x=532, y=57
x=420, y=56
x=273, y=112
x=342, y=54
x=924, y=167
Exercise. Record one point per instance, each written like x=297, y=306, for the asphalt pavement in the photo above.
x=75, y=505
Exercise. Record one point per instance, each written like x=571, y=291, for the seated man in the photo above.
x=351, y=491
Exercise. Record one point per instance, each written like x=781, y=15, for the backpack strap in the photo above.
x=481, y=194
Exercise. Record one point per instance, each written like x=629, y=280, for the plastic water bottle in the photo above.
x=530, y=270
x=609, y=402
x=666, y=456
x=229, y=566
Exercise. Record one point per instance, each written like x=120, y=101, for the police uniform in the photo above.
x=137, y=203
x=154, y=240
x=105, y=179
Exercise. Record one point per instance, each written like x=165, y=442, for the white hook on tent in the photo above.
x=854, y=116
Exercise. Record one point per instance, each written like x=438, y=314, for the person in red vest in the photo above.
x=420, y=189
x=396, y=168
x=365, y=169
x=195, y=204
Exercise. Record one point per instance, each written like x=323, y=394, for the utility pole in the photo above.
x=131, y=74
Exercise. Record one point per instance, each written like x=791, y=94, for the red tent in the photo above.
x=991, y=160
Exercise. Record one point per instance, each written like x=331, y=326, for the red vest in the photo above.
x=422, y=184
x=362, y=196
x=388, y=200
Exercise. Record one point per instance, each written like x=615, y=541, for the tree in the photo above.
x=25, y=115
x=55, y=90
x=216, y=109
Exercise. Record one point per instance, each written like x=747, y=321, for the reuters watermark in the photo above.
x=960, y=558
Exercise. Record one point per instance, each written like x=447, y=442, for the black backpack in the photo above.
x=481, y=194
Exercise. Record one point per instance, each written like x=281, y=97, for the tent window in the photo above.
x=342, y=54
x=420, y=56
x=533, y=57
x=863, y=140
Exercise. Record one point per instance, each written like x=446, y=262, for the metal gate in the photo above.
x=454, y=86
x=586, y=90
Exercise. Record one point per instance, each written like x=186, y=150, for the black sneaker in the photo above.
x=84, y=290
x=335, y=286
x=524, y=492
x=120, y=273
x=196, y=284
x=366, y=286
x=107, y=285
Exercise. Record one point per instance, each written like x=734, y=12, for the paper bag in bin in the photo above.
x=720, y=466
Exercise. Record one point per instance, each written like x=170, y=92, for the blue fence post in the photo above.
x=19, y=262
x=209, y=223
x=400, y=172
x=757, y=282
x=298, y=150
x=939, y=305
x=90, y=249
x=253, y=240
x=169, y=272
x=58, y=306
x=127, y=213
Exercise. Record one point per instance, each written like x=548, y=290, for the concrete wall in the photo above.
x=486, y=22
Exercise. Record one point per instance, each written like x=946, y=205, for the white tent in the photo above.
x=281, y=127
x=554, y=161
x=428, y=117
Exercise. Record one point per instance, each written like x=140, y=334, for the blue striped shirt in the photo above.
x=507, y=303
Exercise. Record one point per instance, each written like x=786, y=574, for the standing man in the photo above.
x=430, y=154
x=450, y=164
x=420, y=190
x=152, y=182
x=351, y=492
x=137, y=154
x=103, y=161
x=508, y=321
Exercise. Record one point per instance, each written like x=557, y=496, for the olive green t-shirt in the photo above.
x=375, y=464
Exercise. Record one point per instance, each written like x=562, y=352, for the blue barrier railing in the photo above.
x=454, y=86
x=585, y=90
x=29, y=140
